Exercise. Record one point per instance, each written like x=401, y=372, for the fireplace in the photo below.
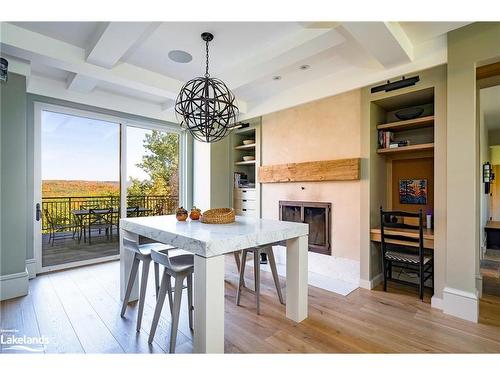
x=317, y=215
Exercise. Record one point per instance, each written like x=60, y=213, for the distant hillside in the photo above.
x=65, y=188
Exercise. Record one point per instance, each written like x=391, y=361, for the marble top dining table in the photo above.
x=209, y=243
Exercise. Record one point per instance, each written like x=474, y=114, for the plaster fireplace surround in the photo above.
x=328, y=129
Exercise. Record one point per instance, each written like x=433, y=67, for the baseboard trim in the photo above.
x=13, y=285
x=436, y=303
x=370, y=284
x=462, y=304
x=31, y=268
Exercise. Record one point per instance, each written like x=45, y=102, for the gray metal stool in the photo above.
x=142, y=253
x=179, y=267
x=268, y=249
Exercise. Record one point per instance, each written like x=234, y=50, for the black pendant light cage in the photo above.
x=206, y=107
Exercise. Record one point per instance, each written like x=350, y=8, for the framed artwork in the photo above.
x=413, y=191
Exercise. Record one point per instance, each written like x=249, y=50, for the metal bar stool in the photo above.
x=142, y=253
x=179, y=267
x=268, y=249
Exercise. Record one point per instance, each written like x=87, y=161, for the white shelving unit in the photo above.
x=246, y=200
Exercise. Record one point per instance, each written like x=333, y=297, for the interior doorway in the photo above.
x=489, y=128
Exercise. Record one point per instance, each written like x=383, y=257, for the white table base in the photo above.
x=209, y=304
x=296, y=278
x=209, y=291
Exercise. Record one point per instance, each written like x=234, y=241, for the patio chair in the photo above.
x=100, y=219
x=55, y=228
x=159, y=209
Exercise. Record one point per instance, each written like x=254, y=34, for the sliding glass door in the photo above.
x=84, y=162
x=80, y=183
x=152, y=171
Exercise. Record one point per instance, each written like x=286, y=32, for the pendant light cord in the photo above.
x=206, y=70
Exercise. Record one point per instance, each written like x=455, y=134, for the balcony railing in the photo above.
x=60, y=208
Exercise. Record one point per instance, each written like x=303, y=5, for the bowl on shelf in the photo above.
x=248, y=158
x=248, y=141
x=409, y=113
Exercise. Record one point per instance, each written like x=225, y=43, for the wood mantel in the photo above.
x=324, y=170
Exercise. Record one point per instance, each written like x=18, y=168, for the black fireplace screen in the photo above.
x=317, y=215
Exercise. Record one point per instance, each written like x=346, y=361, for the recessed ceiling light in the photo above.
x=276, y=78
x=304, y=67
x=180, y=56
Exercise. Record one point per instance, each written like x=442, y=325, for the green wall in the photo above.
x=13, y=210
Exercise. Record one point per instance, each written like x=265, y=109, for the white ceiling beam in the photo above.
x=98, y=98
x=167, y=105
x=385, y=41
x=110, y=42
x=114, y=41
x=32, y=46
x=81, y=83
x=307, y=43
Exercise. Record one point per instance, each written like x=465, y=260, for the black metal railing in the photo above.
x=61, y=208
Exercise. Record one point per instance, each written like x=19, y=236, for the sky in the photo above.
x=79, y=148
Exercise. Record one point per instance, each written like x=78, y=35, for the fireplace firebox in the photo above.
x=317, y=215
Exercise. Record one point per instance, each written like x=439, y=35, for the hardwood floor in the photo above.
x=78, y=311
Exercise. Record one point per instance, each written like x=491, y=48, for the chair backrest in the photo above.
x=161, y=258
x=48, y=216
x=101, y=216
x=89, y=206
x=131, y=246
x=408, y=236
x=159, y=209
x=133, y=211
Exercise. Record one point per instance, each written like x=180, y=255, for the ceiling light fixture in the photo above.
x=206, y=106
x=179, y=56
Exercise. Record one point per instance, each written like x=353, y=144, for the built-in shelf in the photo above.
x=250, y=162
x=411, y=148
x=417, y=123
x=245, y=147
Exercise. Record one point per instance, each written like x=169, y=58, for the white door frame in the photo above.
x=123, y=125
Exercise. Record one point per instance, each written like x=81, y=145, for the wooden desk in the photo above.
x=375, y=236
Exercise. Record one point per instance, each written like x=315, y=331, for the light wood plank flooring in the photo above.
x=78, y=310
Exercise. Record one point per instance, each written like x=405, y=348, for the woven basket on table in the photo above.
x=218, y=216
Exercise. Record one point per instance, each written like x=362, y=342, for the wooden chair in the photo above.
x=405, y=251
x=256, y=251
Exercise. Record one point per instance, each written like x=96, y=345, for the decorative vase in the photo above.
x=181, y=214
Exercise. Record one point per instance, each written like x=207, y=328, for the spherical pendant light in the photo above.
x=205, y=106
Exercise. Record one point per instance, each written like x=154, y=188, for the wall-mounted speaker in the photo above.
x=4, y=66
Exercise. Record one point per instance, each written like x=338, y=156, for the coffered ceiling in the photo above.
x=125, y=65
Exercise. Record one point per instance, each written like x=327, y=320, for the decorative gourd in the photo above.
x=195, y=213
x=181, y=214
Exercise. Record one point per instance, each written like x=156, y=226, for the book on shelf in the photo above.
x=241, y=180
x=385, y=138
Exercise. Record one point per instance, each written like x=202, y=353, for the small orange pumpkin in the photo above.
x=195, y=213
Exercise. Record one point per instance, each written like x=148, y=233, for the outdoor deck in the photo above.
x=68, y=213
x=68, y=250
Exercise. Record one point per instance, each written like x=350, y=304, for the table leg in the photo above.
x=126, y=259
x=296, y=278
x=209, y=304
